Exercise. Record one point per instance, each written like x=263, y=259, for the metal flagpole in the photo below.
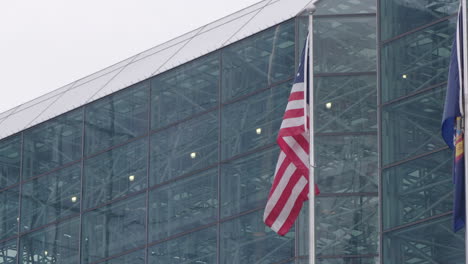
x=310, y=10
x=465, y=92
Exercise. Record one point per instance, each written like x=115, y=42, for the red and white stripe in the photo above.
x=290, y=186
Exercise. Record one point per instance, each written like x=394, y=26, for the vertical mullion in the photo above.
x=220, y=98
x=80, y=235
x=20, y=191
x=148, y=172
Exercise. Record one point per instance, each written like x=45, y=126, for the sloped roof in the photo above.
x=151, y=62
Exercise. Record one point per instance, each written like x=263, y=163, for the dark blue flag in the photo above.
x=452, y=125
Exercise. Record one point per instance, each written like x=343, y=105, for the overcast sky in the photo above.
x=49, y=43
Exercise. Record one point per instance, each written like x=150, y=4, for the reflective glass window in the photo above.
x=412, y=126
x=184, y=204
x=184, y=148
x=346, y=164
x=428, y=242
x=248, y=240
x=246, y=182
x=8, y=252
x=115, y=173
x=195, y=248
x=52, y=144
x=253, y=122
x=398, y=16
x=184, y=91
x=113, y=229
x=117, y=118
x=345, y=44
x=345, y=226
x=417, y=189
x=257, y=62
x=352, y=260
x=137, y=257
x=9, y=209
x=10, y=158
x=331, y=7
x=417, y=61
x=55, y=244
x=345, y=104
x=51, y=197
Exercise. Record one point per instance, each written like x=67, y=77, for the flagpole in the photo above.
x=310, y=10
x=465, y=92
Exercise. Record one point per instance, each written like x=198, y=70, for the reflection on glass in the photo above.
x=429, y=242
x=51, y=197
x=137, y=257
x=345, y=104
x=346, y=164
x=241, y=120
x=185, y=91
x=184, y=148
x=113, y=229
x=257, y=62
x=412, y=126
x=246, y=182
x=331, y=7
x=417, y=189
x=9, y=206
x=8, y=252
x=345, y=226
x=117, y=118
x=10, y=158
x=55, y=244
x=195, y=248
x=248, y=240
x=52, y=144
x=345, y=44
x=184, y=205
x=115, y=173
x=417, y=61
x=414, y=13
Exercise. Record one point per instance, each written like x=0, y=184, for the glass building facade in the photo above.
x=176, y=169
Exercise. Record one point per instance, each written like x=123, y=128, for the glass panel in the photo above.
x=246, y=182
x=195, y=248
x=184, y=148
x=185, y=91
x=51, y=197
x=258, y=61
x=52, y=144
x=55, y=244
x=417, y=61
x=248, y=240
x=183, y=205
x=331, y=7
x=345, y=226
x=412, y=126
x=352, y=260
x=254, y=122
x=428, y=242
x=9, y=209
x=398, y=16
x=417, y=189
x=345, y=44
x=137, y=257
x=117, y=118
x=345, y=104
x=115, y=173
x=114, y=229
x=346, y=164
x=8, y=252
x=10, y=158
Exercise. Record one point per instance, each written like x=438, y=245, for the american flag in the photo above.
x=290, y=186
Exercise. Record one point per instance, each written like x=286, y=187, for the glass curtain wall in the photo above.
x=416, y=166
x=345, y=88
x=177, y=168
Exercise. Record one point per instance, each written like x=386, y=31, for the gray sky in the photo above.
x=49, y=43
